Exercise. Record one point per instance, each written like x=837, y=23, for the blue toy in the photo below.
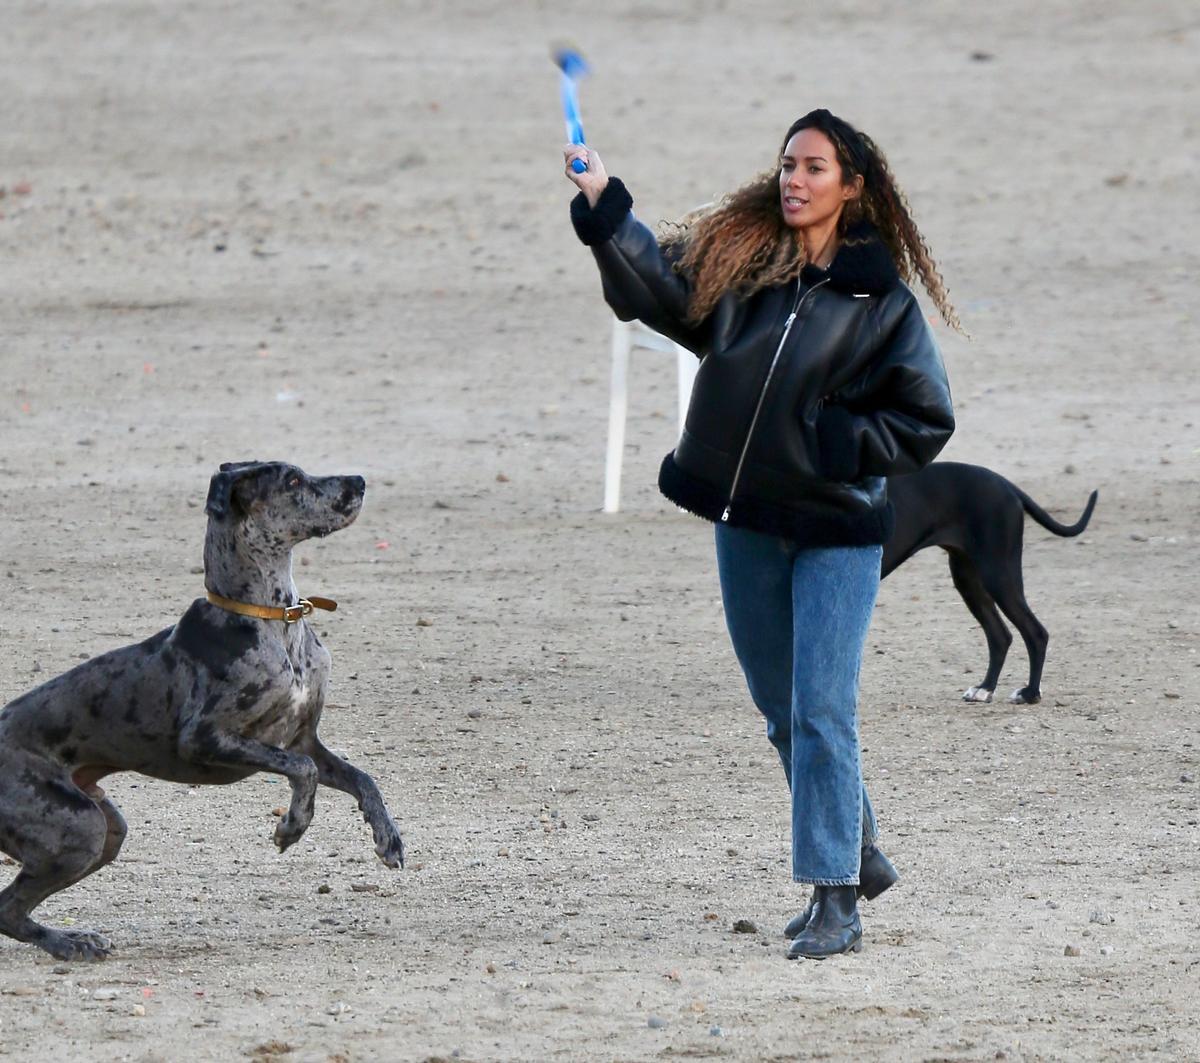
x=573, y=67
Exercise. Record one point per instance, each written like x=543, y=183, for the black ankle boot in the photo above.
x=834, y=927
x=875, y=874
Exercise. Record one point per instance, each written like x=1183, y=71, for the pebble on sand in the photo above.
x=1071, y=950
x=745, y=926
x=655, y=1023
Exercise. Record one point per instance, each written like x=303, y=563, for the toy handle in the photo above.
x=574, y=125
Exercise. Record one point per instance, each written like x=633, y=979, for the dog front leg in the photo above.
x=342, y=775
x=203, y=743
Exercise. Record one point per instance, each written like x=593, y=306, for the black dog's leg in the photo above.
x=342, y=775
x=70, y=837
x=201, y=743
x=983, y=609
x=1006, y=587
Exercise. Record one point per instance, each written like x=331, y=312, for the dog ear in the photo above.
x=221, y=499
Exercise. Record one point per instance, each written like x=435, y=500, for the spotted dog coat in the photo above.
x=212, y=700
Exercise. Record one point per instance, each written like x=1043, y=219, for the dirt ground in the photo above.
x=337, y=234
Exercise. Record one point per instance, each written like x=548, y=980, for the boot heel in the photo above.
x=876, y=874
x=857, y=946
x=871, y=890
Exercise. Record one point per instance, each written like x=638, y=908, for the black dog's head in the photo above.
x=282, y=503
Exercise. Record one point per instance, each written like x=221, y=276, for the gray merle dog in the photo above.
x=236, y=687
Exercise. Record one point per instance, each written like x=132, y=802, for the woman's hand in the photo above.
x=593, y=180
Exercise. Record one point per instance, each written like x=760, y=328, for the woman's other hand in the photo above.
x=593, y=180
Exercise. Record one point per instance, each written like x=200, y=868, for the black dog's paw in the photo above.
x=84, y=945
x=980, y=694
x=1025, y=696
x=391, y=852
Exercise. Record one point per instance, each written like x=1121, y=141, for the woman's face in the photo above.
x=810, y=181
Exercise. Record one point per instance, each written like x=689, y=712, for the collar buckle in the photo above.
x=293, y=614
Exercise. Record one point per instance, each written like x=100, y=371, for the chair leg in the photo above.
x=687, y=364
x=618, y=398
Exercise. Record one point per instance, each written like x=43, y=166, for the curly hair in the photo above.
x=744, y=245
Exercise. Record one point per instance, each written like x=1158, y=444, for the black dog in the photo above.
x=978, y=518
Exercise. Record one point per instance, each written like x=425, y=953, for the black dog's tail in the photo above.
x=1049, y=523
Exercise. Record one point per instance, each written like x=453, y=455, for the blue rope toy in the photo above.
x=573, y=67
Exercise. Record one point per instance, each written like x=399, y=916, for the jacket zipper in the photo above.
x=762, y=395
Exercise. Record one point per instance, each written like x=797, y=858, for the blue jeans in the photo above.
x=798, y=620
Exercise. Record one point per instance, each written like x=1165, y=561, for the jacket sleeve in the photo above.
x=899, y=416
x=638, y=279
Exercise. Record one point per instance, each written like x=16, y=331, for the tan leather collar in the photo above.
x=289, y=614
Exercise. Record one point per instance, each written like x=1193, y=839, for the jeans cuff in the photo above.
x=852, y=880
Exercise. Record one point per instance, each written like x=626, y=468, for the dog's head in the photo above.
x=282, y=503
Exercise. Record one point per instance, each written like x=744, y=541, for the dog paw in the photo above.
x=288, y=831
x=977, y=694
x=391, y=852
x=1025, y=696
x=82, y=945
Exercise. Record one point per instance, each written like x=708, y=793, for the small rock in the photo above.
x=711, y=917
x=655, y=1023
x=501, y=478
x=1052, y=904
x=1069, y=469
x=61, y=968
x=1171, y=695
x=745, y=926
x=105, y=994
x=139, y=1010
x=1071, y=950
x=340, y=1008
x=490, y=968
x=551, y=937
x=1186, y=777
x=474, y=714
x=715, y=1031
x=591, y=817
x=1138, y=537
x=279, y=813
x=1106, y=950
x=324, y=887
x=1100, y=916
x=364, y=887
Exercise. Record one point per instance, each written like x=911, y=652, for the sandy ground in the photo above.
x=337, y=234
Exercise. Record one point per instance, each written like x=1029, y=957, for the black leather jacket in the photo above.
x=808, y=394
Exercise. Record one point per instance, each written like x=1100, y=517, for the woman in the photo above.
x=818, y=379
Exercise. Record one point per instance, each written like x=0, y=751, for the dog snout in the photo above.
x=353, y=489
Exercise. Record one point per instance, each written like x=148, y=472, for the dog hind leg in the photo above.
x=1007, y=588
x=67, y=838
x=983, y=609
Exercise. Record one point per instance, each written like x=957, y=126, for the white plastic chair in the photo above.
x=626, y=336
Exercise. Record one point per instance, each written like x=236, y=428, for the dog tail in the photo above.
x=1049, y=523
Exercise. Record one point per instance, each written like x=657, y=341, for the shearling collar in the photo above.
x=863, y=264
